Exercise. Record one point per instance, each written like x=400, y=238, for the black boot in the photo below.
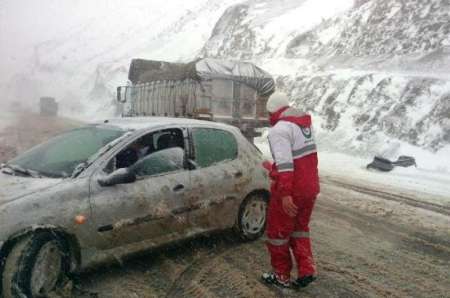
x=303, y=282
x=272, y=279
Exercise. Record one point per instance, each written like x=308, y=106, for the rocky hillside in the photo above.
x=375, y=76
x=370, y=110
x=381, y=30
x=264, y=28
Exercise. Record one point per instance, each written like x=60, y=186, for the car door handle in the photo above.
x=238, y=174
x=178, y=188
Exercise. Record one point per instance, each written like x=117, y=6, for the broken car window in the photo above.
x=146, y=145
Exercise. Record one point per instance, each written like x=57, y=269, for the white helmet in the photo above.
x=277, y=101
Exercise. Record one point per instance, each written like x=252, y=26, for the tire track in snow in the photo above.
x=390, y=196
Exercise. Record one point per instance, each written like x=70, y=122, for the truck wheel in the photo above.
x=36, y=266
x=251, y=221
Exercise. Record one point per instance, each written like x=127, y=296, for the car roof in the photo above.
x=138, y=123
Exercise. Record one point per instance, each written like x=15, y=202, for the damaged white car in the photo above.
x=115, y=188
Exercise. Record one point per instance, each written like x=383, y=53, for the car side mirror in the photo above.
x=119, y=91
x=121, y=94
x=120, y=176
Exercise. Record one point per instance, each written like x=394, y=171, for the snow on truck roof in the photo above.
x=137, y=123
x=145, y=71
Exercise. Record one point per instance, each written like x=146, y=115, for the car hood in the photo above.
x=15, y=187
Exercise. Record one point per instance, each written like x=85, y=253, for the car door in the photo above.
x=152, y=207
x=215, y=193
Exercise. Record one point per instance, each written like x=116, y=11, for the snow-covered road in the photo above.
x=430, y=184
x=364, y=245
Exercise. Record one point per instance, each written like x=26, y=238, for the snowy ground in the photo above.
x=364, y=245
x=428, y=182
x=430, y=185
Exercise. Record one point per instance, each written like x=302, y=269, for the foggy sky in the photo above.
x=26, y=23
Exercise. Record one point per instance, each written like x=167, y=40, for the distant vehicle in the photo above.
x=122, y=186
x=210, y=89
x=48, y=106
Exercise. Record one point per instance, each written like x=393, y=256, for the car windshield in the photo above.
x=59, y=156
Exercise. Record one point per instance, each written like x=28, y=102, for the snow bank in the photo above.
x=429, y=182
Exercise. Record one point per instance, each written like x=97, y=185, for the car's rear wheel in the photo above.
x=252, y=217
x=36, y=266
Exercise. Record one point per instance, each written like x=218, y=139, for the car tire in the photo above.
x=251, y=221
x=36, y=266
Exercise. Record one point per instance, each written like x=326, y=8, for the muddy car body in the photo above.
x=195, y=177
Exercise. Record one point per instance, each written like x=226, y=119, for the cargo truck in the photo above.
x=231, y=92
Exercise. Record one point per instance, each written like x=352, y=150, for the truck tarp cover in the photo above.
x=144, y=71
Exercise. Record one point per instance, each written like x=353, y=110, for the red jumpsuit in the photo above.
x=294, y=173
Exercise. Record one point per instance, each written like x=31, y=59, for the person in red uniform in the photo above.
x=295, y=186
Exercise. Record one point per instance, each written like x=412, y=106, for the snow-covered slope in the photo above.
x=397, y=27
x=375, y=76
x=407, y=35
x=90, y=55
x=369, y=111
x=264, y=28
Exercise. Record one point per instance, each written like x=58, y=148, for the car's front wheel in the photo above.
x=251, y=221
x=35, y=267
